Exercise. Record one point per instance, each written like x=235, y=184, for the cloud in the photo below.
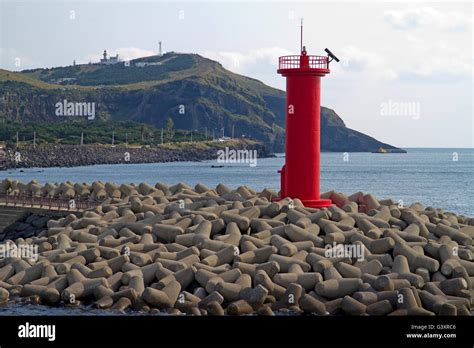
x=125, y=53
x=356, y=60
x=419, y=61
x=242, y=62
x=427, y=17
x=434, y=53
x=16, y=60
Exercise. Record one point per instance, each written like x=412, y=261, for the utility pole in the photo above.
x=191, y=135
x=34, y=140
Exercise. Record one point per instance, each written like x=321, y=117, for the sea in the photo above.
x=441, y=178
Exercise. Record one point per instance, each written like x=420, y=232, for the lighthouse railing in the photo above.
x=293, y=62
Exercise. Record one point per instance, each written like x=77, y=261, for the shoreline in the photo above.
x=345, y=176
x=68, y=156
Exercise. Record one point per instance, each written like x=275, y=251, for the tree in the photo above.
x=169, y=132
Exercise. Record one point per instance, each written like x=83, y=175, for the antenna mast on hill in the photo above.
x=159, y=51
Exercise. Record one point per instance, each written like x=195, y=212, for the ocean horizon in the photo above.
x=437, y=177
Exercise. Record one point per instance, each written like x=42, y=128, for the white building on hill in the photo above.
x=109, y=61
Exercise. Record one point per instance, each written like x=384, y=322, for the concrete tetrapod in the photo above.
x=213, y=251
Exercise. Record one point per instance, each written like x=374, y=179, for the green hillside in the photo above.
x=196, y=93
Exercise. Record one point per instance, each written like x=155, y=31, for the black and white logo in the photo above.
x=37, y=331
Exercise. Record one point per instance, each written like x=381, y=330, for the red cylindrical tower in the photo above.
x=300, y=174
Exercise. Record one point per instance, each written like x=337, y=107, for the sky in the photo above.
x=405, y=74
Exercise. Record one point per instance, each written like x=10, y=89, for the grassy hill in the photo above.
x=118, y=74
x=197, y=93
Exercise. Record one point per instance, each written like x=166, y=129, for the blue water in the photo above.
x=429, y=176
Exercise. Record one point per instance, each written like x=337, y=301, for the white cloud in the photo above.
x=427, y=17
x=241, y=62
x=419, y=59
x=125, y=53
x=17, y=60
x=441, y=59
x=356, y=60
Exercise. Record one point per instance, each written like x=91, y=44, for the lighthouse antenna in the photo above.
x=301, y=35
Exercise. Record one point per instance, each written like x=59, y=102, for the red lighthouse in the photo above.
x=300, y=174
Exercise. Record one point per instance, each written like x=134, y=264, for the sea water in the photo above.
x=441, y=178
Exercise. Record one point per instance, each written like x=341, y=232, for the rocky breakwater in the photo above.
x=96, y=191
x=28, y=225
x=32, y=223
x=73, y=156
x=215, y=251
